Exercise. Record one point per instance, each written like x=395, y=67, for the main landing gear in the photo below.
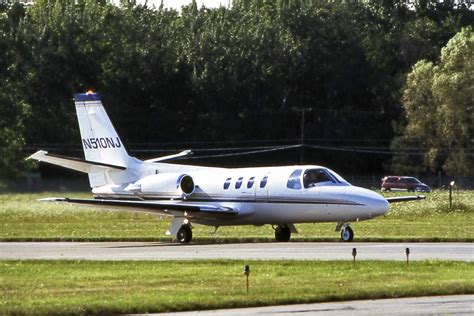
x=282, y=233
x=185, y=234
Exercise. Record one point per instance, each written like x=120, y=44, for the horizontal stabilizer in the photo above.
x=163, y=207
x=74, y=163
x=181, y=154
x=405, y=198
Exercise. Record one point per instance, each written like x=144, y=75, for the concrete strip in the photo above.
x=243, y=251
x=434, y=305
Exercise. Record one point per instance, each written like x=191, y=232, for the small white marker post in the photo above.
x=451, y=184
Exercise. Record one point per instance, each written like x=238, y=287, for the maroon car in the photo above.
x=410, y=184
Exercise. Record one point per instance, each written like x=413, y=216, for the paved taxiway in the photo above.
x=434, y=305
x=276, y=251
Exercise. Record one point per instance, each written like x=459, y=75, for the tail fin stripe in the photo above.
x=89, y=96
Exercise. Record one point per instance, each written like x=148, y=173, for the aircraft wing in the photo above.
x=405, y=198
x=163, y=207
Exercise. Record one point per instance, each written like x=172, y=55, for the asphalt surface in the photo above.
x=434, y=305
x=440, y=305
x=274, y=251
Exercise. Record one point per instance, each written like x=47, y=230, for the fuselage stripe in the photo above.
x=221, y=200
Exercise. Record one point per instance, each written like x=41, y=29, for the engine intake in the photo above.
x=186, y=184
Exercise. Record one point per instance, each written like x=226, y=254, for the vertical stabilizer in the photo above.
x=100, y=141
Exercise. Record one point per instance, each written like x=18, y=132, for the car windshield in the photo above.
x=321, y=176
x=412, y=180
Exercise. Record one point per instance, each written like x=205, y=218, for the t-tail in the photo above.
x=106, y=159
x=100, y=140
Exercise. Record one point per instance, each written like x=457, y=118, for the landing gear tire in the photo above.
x=347, y=234
x=184, y=235
x=282, y=233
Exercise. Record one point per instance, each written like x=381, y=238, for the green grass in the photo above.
x=80, y=287
x=23, y=218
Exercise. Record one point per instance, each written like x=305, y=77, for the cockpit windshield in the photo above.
x=321, y=176
x=338, y=177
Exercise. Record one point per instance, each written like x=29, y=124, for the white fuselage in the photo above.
x=281, y=196
x=258, y=202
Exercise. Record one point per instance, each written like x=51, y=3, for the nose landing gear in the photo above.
x=347, y=234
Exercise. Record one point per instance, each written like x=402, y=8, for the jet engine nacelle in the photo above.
x=166, y=184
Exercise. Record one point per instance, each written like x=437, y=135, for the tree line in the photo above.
x=238, y=76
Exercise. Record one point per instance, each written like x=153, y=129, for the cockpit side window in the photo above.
x=312, y=177
x=294, y=181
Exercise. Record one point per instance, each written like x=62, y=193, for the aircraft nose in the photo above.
x=381, y=206
x=378, y=204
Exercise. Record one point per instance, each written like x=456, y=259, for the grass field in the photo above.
x=23, y=218
x=91, y=287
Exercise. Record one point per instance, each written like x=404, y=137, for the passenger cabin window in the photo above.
x=263, y=183
x=314, y=177
x=238, y=184
x=227, y=183
x=294, y=181
x=250, y=182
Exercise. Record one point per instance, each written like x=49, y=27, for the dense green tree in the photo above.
x=12, y=133
x=439, y=105
x=13, y=108
x=228, y=74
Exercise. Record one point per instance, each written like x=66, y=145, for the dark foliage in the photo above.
x=224, y=76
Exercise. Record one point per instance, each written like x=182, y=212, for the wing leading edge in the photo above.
x=164, y=207
x=405, y=198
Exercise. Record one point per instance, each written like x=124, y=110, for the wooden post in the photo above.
x=354, y=254
x=247, y=273
x=407, y=252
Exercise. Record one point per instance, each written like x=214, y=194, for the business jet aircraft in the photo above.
x=280, y=196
